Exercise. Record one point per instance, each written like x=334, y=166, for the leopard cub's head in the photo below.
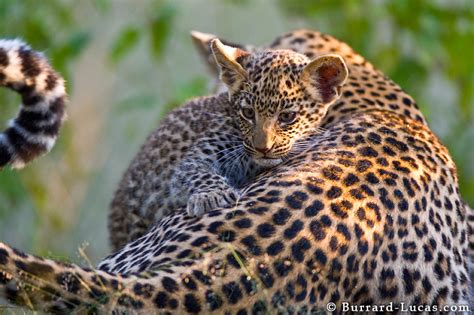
x=280, y=96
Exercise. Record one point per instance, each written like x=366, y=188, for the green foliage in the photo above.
x=188, y=89
x=124, y=43
x=160, y=28
x=139, y=101
x=12, y=192
x=192, y=88
x=66, y=52
x=195, y=87
x=101, y=5
x=157, y=29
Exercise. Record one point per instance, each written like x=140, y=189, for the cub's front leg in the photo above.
x=200, y=184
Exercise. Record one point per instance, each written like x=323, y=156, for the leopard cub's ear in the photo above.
x=231, y=71
x=324, y=77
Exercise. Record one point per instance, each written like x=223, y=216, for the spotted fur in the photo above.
x=142, y=197
x=369, y=213
x=34, y=131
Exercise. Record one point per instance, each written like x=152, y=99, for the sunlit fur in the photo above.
x=269, y=92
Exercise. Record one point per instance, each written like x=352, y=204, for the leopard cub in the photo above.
x=278, y=99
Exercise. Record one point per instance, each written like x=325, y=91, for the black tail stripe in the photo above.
x=28, y=94
x=30, y=99
x=35, y=116
x=27, y=150
x=37, y=122
x=58, y=106
x=36, y=127
x=5, y=155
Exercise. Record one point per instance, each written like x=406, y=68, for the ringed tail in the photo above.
x=35, y=129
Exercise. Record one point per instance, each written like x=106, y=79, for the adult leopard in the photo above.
x=369, y=213
x=139, y=203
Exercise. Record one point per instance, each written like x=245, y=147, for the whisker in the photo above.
x=228, y=169
x=237, y=161
x=225, y=157
x=230, y=155
x=225, y=152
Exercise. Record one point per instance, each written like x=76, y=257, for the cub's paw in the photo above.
x=204, y=201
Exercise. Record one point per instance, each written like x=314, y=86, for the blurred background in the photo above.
x=128, y=62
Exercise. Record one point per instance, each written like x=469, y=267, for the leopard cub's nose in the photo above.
x=265, y=149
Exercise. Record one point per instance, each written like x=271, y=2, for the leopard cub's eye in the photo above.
x=287, y=117
x=248, y=113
